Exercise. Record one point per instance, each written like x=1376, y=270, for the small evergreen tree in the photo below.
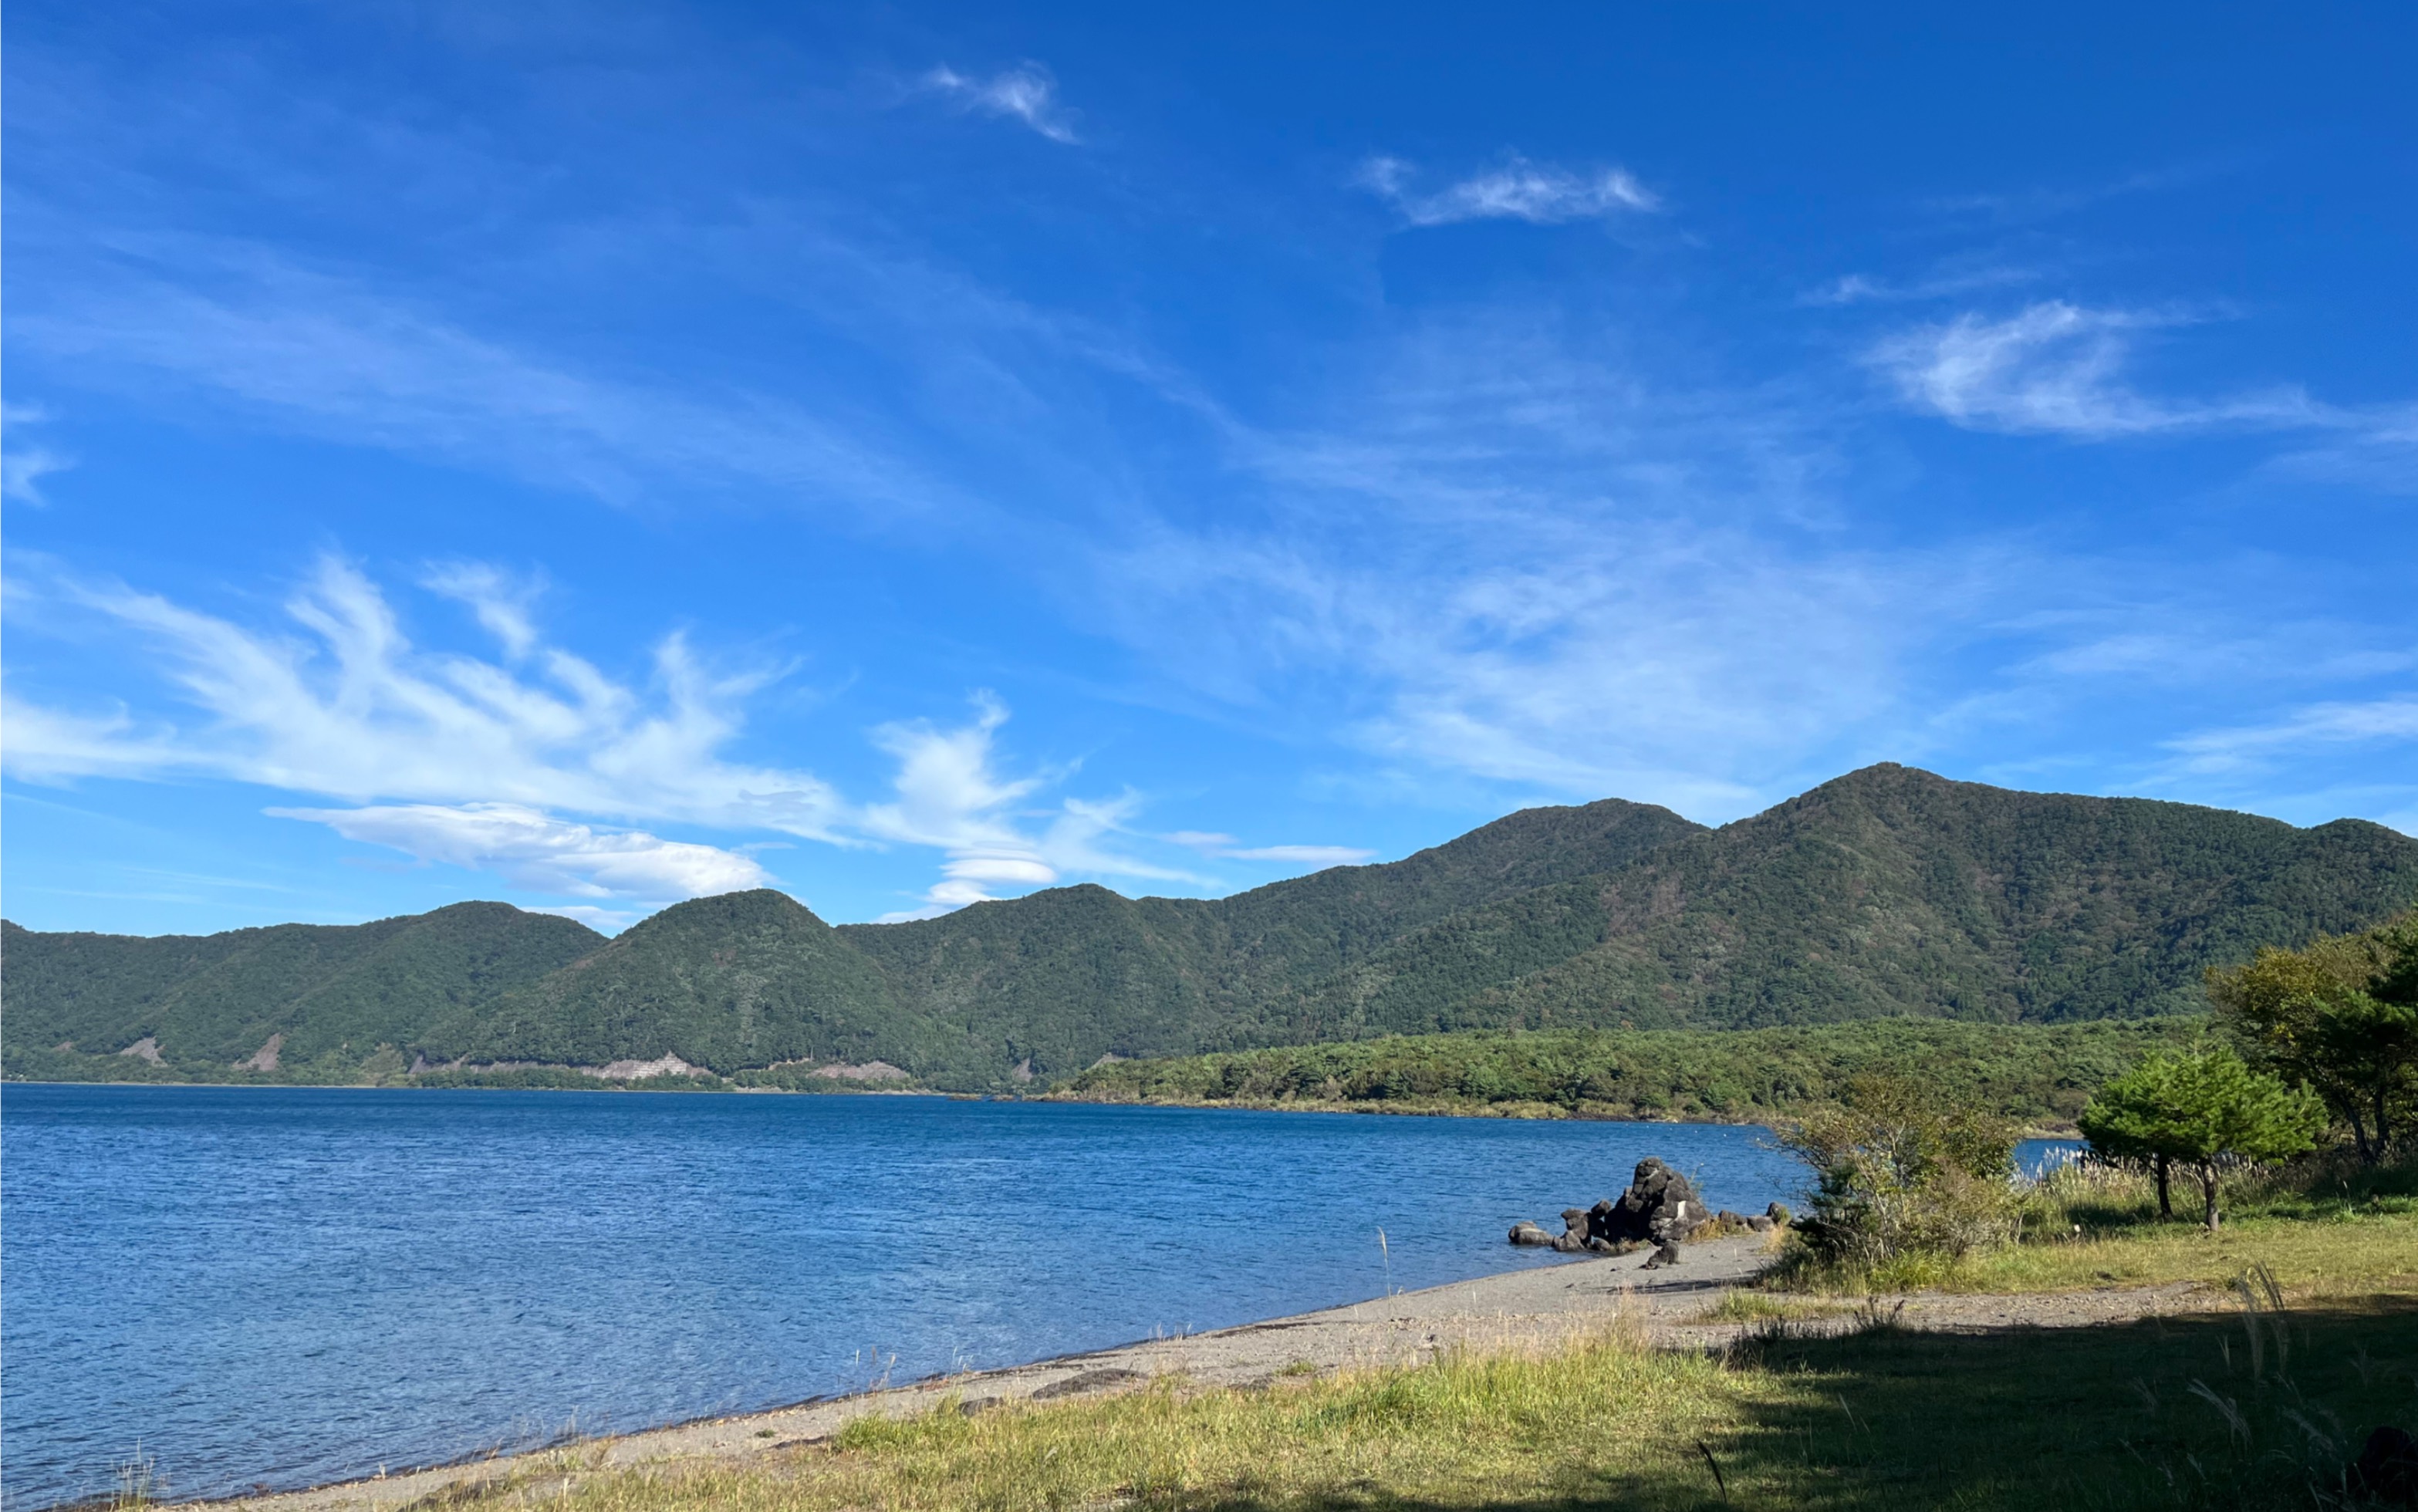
x=2199, y=1109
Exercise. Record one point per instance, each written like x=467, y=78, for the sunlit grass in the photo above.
x=2327, y=1232
x=2208, y=1412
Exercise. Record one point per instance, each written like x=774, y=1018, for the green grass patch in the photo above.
x=2325, y=1227
x=2203, y=1412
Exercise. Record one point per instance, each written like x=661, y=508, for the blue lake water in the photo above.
x=284, y=1286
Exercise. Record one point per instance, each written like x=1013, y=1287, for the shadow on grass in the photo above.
x=2261, y=1409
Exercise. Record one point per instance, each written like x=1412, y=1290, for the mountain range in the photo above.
x=1889, y=892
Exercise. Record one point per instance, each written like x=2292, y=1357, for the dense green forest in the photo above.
x=1886, y=893
x=2039, y=1073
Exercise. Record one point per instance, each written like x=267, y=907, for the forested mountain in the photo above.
x=332, y=992
x=1889, y=892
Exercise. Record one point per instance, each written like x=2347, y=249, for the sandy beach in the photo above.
x=1527, y=1308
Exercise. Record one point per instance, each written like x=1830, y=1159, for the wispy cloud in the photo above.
x=950, y=796
x=1857, y=288
x=1516, y=190
x=2046, y=201
x=1304, y=855
x=1227, y=847
x=500, y=601
x=325, y=355
x=2393, y=719
x=2059, y=369
x=535, y=850
x=349, y=708
x=24, y=464
x=1027, y=93
x=488, y=758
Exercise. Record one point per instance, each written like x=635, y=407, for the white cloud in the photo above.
x=501, y=604
x=2058, y=369
x=1856, y=288
x=1198, y=839
x=1304, y=855
x=1517, y=191
x=1027, y=93
x=350, y=708
x=607, y=920
x=534, y=850
x=950, y=797
x=2389, y=719
x=1227, y=847
x=453, y=759
x=1502, y=554
x=24, y=465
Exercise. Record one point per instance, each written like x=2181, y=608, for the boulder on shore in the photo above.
x=1526, y=1232
x=1660, y=1205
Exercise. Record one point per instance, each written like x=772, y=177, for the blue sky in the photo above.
x=596, y=455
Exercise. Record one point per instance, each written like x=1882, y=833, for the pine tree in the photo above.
x=2199, y=1109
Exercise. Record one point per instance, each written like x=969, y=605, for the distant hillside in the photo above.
x=1056, y=980
x=1887, y=893
x=730, y=983
x=334, y=992
x=2038, y=1072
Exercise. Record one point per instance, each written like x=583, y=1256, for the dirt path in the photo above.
x=1524, y=1308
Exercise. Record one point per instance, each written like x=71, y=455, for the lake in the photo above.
x=282, y=1286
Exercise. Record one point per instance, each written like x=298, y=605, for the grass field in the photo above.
x=2252, y=1409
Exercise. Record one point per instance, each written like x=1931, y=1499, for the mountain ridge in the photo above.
x=1889, y=892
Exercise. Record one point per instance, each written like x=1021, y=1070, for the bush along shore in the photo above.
x=2037, y=1075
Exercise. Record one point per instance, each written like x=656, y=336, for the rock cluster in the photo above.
x=1661, y=1208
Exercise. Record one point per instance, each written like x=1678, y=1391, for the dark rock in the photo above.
x=2387, y=1468
x=1660, y=1205
x=1525, y=1233
x=1668, y=1253
x=1729, y=1220
x=1778, y=1213
x=976, y=1405
x=1569, y=1245
x=1760, y=1224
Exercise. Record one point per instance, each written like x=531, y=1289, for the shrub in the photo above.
x=1900, y=1172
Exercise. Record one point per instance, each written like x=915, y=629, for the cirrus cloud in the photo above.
x=1027, y=93
x=1517, y=189
x=2059, y=369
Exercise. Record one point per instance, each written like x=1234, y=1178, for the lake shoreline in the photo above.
x=1522, y=1112
x=1534, y=1309
x=1503, y=1308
